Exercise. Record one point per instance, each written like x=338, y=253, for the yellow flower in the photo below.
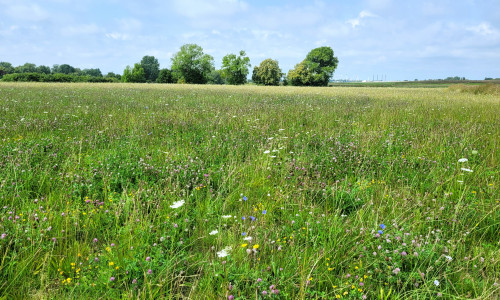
x=244, y=245
x=256, y=246
x=108, y=249
x=117, y=268
x=111, y=263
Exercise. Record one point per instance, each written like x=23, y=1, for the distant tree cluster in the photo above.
x=58, y=73
x=190, y=65
x=315, y=70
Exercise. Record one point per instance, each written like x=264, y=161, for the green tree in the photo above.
x=235, y=68
x=92, y=72
x=191, y=65
x=316, y=69
x=64, y=69
x=136, y=74
x=151, y=68
x=267, y=73
x=43, y=69
x=26, y=68
x=215, y=77
x=6, y=68
x=165, y=76
x=113, y=76
x=300, y=75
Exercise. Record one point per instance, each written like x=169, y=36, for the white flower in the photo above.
x=224, y=252
x=226, y=217
x=436, y=282
x=466, y=170
x=266, y=152
x=463, y=160
x=449, y=258
x=214, y=232
x=177, y=204
x=248, y=238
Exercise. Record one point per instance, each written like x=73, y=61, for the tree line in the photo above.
x=58, y=73
x=191, y=65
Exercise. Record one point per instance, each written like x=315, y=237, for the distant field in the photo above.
x=214, y=192
x=414, y=84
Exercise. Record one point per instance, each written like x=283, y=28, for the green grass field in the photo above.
x=218, y=192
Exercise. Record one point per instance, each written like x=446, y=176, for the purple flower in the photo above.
x=175, y=225
x=382, y=226
x=380, y=232
x=112, y=279
x=94, y=240
x=96, y=259
x=230, y=297
x=361, y=284
x=3, y=235
x=404, y=253
x=148, y=258
x=259, y=279
x=252, y=218
x=264, y=293
x=230, y=287
x=264, y=212
x=243, y=218
x=243, y=233
x=245, y=198
x=150, y=272
x=112, y=244
x=134, y=281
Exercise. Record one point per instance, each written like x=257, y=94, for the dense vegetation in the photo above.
x=218, y=192
x=189, y=65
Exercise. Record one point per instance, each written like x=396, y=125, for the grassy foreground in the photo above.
x=216, y=192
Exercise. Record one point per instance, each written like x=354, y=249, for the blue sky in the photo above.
x=399, y=39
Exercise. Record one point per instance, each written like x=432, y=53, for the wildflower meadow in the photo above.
x=141, y=191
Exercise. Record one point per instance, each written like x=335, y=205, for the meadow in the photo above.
x=218, y=192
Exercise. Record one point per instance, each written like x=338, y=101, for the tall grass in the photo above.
x=207, y=192
x=483, y=89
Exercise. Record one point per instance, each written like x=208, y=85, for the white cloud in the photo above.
x=27, y=12
x=202, y=8
x=129, y=24
x=357, y=21
x=84, y=29
x=484, y=29
x=118, y=36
